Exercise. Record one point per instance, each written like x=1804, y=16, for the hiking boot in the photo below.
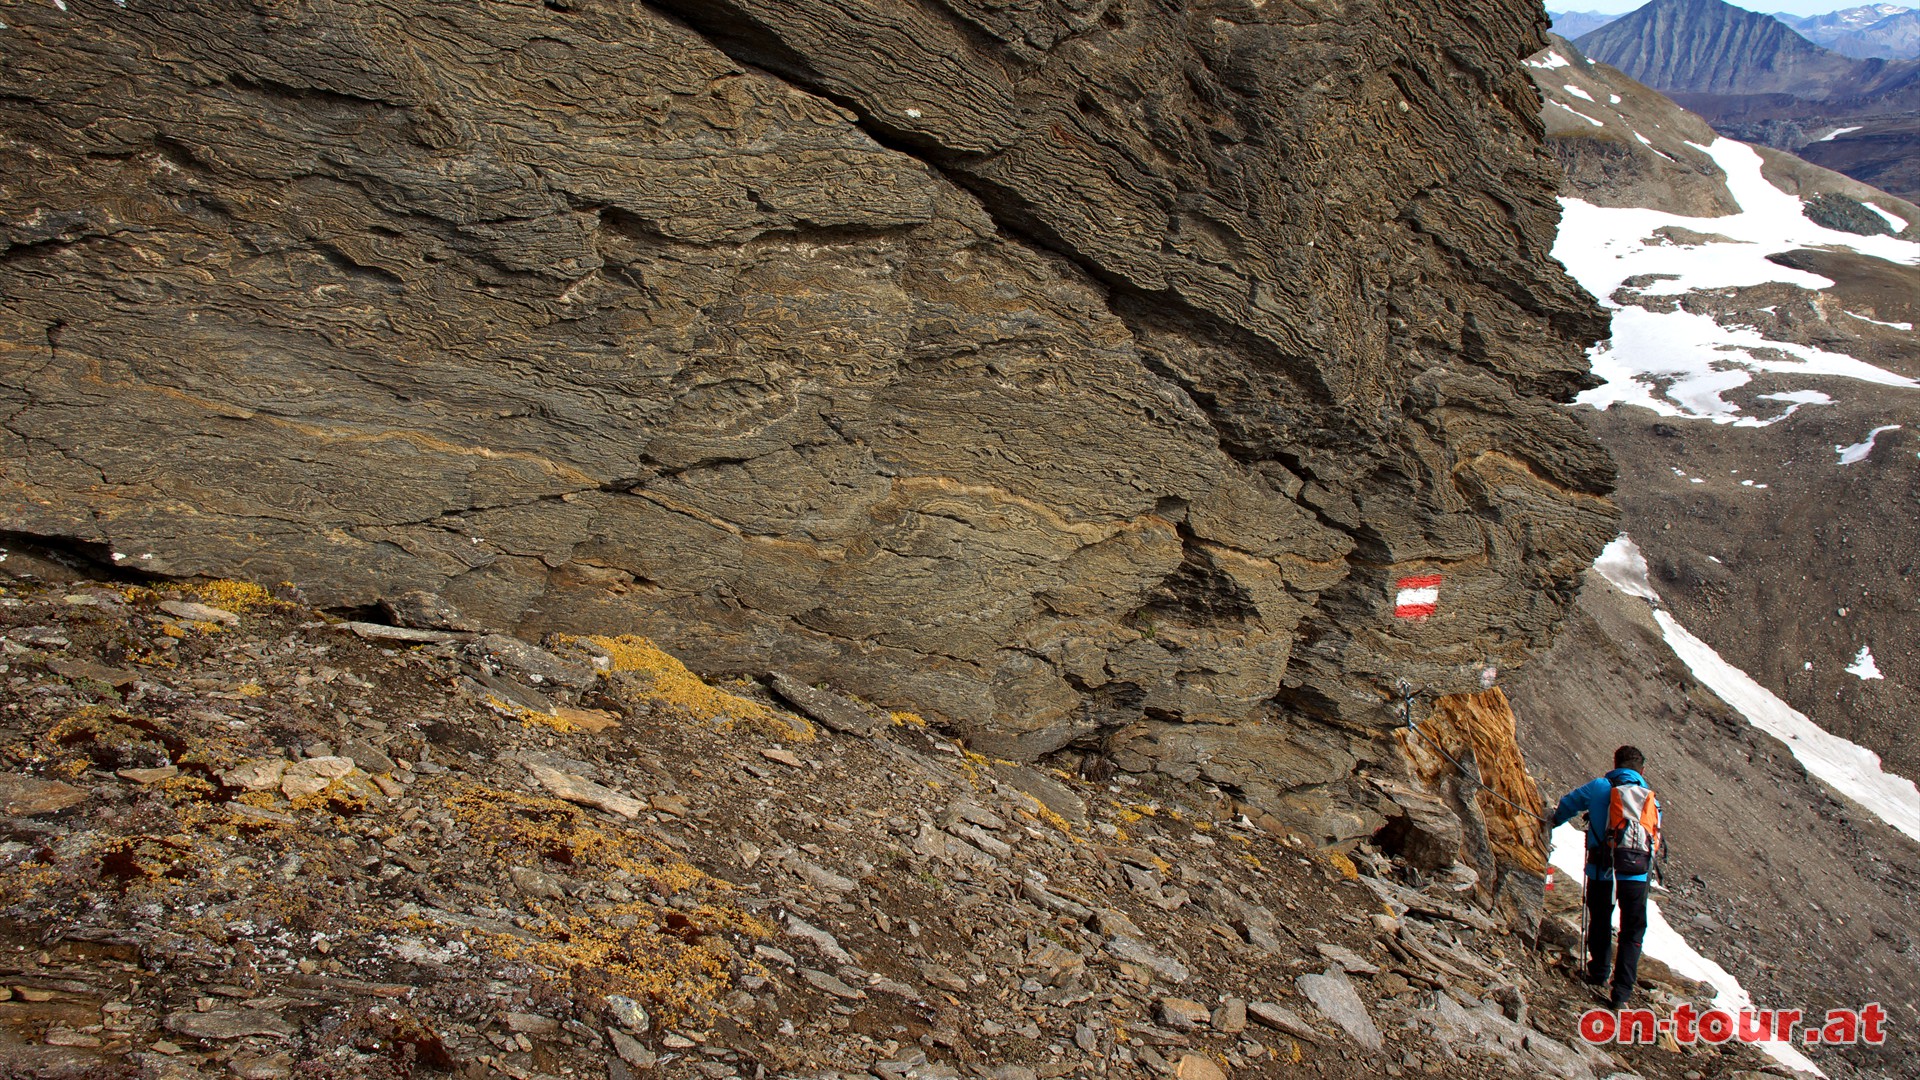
x=1618, y=999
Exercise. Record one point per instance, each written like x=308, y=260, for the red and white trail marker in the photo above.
x=1418, y=597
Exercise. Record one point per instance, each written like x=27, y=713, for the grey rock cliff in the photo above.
x=1046, y=370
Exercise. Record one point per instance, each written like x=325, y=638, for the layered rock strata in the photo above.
x=1045, y=370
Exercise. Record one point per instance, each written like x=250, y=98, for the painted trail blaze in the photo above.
x=1418, y=596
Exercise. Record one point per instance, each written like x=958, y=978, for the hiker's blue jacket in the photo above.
x=1592, y=799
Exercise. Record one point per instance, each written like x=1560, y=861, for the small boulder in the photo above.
x=1183, y=1014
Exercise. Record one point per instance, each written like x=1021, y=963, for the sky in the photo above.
x=1792, y=7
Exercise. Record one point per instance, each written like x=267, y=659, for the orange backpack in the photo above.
x=1633, y=828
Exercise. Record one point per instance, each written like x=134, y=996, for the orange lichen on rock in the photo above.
x=1484, y=724
x=680, y=959
x=680, y=962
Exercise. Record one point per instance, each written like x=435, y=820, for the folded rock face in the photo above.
x=1043, y=369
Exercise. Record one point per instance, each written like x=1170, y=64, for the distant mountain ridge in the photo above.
x=1755, y=79
x=1710, y=47
x=1883, y=30
x=1844, y=21
x=1572, y=24
x=1896, y=37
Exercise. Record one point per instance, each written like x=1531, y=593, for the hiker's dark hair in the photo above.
x=1629, y=757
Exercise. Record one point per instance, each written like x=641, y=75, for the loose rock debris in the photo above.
x=277, y=848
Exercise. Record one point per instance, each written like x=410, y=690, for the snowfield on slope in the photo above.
x=1849, y=768
x=1678, y=363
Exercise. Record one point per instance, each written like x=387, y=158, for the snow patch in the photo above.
x=1898, y=223
x=1578, y=113
x=1848, y=768
x=1877, y=322
x=1553, y=60
x=1681, y=364
x=1613, y=99
x=1577, y=92
x=1622, y=564
x=1863, y=666
x=1836, y=133
x=1649, y=145
x=1858, y=452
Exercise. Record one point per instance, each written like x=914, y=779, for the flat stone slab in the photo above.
x=30, y=796
x=579, y=789
x=835, y=712
x=1281, y=1018
x=226, y=1024
x=1333, y=994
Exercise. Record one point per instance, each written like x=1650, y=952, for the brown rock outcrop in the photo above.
x=1467, y=750
x=1046, y=370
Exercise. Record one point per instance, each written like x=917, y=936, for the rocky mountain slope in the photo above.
x=1719, y=541
x=243, y=839
x=1767, y=470
x=1053, y=372
x=1755, y=79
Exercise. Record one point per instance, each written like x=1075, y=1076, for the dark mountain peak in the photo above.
x=1708, y=46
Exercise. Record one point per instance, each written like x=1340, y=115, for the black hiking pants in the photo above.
x=1633, y=931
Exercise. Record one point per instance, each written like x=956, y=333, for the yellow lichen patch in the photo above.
x=185, y=788
x=666, y=679
x=677, y=961
x=338, y=797
x=906, y=719
x=774, y=724
x=250, y=689
x=111, y=738
x=232, y=595
x=132, y=859
x=1042, y=812
x=29, y=884
x=1339, y=861
x=536, y=827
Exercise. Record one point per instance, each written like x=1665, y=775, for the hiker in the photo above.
x=1623, y=835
